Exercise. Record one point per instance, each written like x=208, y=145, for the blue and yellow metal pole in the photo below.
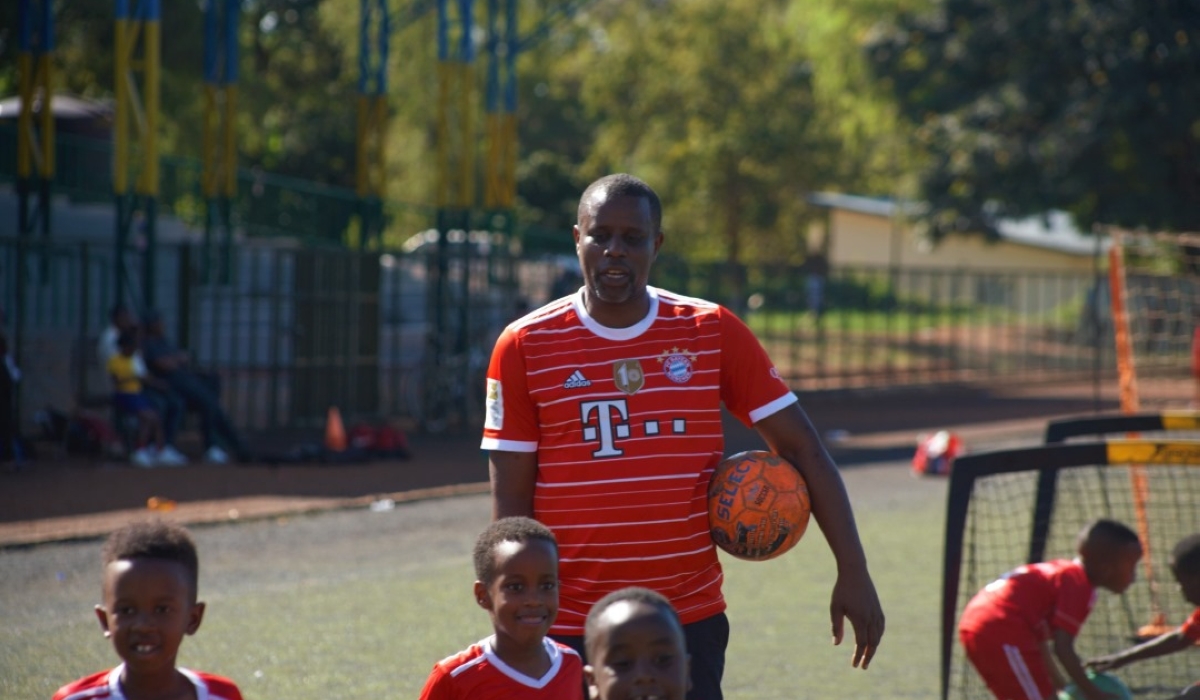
x=35, y=149
x=138, y=47
x=501, y=105
x=219, y=143
x=371, y=132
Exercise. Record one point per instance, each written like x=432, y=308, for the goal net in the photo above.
x=1154, y=300
x=999, y=517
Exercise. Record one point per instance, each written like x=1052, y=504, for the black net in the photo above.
x=997, y=538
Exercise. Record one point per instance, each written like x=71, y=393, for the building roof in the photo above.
x=1053, y=230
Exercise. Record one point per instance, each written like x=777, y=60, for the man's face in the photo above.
x=617, y=243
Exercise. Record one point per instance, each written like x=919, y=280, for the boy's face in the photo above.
x=148, y=608
x=1189, y=586
x=523, y=598
x=1119, y=568
x=637, y=652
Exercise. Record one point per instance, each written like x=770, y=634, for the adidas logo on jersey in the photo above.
x=576, y=381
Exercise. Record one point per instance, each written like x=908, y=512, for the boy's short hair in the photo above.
x=155, y=539
x=1185, y=557
x=1108, y=532
x=631, y=594
x=511, y=529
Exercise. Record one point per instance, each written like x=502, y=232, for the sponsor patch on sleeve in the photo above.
x=494, y=413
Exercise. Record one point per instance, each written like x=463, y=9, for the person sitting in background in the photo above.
x=168, y=405
x=174, y=367
x=128, y=398
x=10, y=445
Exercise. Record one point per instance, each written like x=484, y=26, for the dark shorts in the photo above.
x=132, y=403
x=706, y=643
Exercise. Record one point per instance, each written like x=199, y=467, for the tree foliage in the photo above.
x=1025, y=106
x=712, y=103
x=733, y=109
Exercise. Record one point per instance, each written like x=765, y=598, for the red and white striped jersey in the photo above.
x=626, y=423
x=106, y=685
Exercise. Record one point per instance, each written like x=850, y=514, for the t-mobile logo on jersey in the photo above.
x=607, y=421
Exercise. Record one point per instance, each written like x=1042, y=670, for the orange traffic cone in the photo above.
x=335, y=432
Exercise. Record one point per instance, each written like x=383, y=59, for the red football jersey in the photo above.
x=478, y=674
x=1191, y=626
x=1052, y=594
x=626, y=424
x=106, y=685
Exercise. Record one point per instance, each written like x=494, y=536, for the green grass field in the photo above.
x=355, y=604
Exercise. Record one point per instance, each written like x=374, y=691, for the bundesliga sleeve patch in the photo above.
x=494, y=418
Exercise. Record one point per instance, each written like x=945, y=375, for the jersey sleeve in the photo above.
x=751, y=387
x=510, y=415
x=1073, y=602
x=1191, y=626
x=438, y=685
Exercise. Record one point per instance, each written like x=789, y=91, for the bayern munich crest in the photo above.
x=677, y=364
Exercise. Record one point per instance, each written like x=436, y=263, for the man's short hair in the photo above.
x=155, y=539
x=1185, y=558
x=622, y=185
x=512, y=529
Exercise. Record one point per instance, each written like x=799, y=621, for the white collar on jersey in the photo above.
x=617, y=333
x=556, y=662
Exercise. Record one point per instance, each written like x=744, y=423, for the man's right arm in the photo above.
x=513, y=476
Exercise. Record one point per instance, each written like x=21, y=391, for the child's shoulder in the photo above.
x=218, y=687
x=561, y=648
x=96, y=685
x=466, y=656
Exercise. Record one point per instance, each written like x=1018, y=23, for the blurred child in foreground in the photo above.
x=635, y=647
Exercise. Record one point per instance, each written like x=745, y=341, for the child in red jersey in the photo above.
x=151, y=573
x=516, y=567
x=635, y=644
x=1006, y=626
x=1185, y=566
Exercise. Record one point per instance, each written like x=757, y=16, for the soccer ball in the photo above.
x=758, y=505
x=1105, y=681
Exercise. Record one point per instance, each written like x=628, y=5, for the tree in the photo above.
x=712, y=103
x=1025, y=106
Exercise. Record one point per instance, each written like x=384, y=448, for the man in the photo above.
x=174, y=367
x=603, y=421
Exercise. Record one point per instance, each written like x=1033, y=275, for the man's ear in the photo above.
x=575, y=234
x=195, y=617
x=102, y=616
x=481, y=596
